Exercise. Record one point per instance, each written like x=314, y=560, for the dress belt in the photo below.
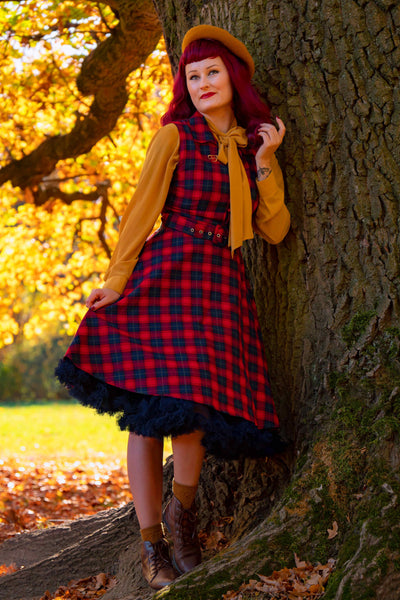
x=201, y=229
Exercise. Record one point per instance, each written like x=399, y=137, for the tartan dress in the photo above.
x=181, y=349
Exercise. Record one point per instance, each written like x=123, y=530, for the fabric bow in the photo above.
x=240, y=226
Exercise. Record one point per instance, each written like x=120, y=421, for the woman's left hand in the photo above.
x=272, y=138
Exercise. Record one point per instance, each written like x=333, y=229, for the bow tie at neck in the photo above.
x=240, y=226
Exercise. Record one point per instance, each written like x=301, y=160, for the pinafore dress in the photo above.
x=181, y=349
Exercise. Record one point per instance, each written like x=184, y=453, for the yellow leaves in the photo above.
x=51, y=257
x=8, y=329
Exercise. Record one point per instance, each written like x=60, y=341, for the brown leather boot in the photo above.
x=156, y=564
x=182, y=525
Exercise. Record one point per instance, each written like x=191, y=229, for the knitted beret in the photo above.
x=216, y=33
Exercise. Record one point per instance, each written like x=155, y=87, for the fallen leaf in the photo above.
x=6, y=570
x=334, y=531
x=300, y=564
x=215, y=540
x=303, y=582
x=101, y=580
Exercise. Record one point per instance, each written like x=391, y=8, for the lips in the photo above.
x=207, y=95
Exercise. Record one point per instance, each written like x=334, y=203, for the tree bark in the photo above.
x=328, y=297
x=329, y=294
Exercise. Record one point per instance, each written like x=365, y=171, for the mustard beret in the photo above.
x=216, y=33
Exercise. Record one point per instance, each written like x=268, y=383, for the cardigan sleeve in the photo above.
x=272, y=218
x=146, y=205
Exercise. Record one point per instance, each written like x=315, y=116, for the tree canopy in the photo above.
x=68, y=171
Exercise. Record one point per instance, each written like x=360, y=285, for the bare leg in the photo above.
x=188, y=457
x=145, y=472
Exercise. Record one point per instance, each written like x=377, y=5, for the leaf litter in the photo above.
x=302, y=582
x=35, y=496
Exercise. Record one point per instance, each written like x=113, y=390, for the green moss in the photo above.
x=358, y=324
x=292, y=494
x=382, y=562
x=347, y=478
x=394, y=541
x=349, y=547
x=332, y=585
x=335, y=379
x=346, y=594
x=212, y=586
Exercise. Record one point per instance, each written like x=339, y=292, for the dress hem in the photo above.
x=225, y=436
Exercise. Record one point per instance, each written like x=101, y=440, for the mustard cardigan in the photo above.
x=271, y=221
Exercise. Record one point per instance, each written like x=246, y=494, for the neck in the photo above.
x=222, y=121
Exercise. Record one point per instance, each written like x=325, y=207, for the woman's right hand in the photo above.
x=102, y=297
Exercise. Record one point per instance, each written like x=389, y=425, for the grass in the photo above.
x=60, y=429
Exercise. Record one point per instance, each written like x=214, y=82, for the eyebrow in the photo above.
x=208, y=67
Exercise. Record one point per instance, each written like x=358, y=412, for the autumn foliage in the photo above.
x=52, y=255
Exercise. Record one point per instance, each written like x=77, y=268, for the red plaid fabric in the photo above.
x=186, y=324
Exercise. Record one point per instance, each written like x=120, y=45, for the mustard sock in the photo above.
x=152, y=534
x=184, y=493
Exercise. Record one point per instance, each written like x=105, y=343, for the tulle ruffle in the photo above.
x=158, y=416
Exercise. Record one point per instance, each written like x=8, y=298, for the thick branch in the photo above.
x=48, y=191
x=103, y=74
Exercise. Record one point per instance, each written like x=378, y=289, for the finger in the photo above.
x=281, y=127
x=266, y=127
x=270, y=138
x=104, y=302
x=98, y=304
x=94, y=296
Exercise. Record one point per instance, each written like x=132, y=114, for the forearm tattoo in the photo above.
x=263, y=172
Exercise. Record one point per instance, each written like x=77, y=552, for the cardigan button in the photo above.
x=209, y=233
x=201, y=231
x=192, y=229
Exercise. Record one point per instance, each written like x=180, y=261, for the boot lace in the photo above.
x=159, y=558
x=187, y=527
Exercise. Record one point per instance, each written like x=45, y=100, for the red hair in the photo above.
x=248, y=107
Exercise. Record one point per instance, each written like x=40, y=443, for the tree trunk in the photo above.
x=328, y=298
x=329, y=294
x=233, y=498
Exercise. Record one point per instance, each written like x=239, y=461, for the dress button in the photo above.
x=218, y=235
x=201, y=231
x=192, y=229
x=209, y=233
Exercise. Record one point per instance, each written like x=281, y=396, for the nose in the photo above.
x=203, y=82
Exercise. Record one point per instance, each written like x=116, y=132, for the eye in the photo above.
x=213, y=72
x=192, y=77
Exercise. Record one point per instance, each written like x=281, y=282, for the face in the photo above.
x=209, y=86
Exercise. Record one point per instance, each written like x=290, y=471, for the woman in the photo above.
x=172, y=343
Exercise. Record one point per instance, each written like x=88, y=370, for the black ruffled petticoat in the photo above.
x=158, y=416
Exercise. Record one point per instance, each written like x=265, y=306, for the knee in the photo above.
x=145, y=442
